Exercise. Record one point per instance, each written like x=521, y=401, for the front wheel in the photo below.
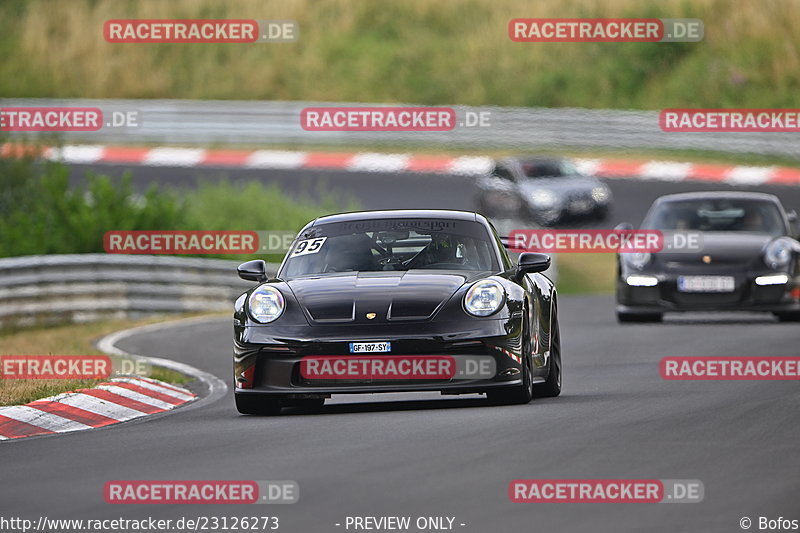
x=518, y=395
x=788, y=317
x=552, y=387
x=258, y=404
x=522, y=393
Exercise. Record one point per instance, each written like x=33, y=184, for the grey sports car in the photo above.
x=545, y=190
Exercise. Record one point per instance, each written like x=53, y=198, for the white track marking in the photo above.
x=471, y=166
x=665, y=170
x=276, y=159
x=184, y=396
x=587, y=166
x=77, y=154
x=133, y=395
x=35, y=417
x=374, y=162
x=99, y=407
x=179, y=157
x=749, y=175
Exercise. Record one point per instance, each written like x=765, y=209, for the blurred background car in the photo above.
x=544, y=190
x=747, y=261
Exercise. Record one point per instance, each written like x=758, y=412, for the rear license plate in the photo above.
x=370, y=347
x=706, y=284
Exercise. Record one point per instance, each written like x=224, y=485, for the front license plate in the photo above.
x=370, y=347
x=706, y=284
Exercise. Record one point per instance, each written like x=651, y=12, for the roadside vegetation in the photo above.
x=415, y=51
x=586, y=273
x=41, y=212
x=73, y=339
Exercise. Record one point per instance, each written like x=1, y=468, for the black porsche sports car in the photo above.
x=545, y=190
x=747, y=261
x=393, y=301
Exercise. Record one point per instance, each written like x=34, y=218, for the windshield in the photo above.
x=723, y=214
x=549, y=169
x=391, y=244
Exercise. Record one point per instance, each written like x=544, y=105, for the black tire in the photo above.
x=601, y=214
x=258, y=404
x=788, y=317
x=523, y=393
x=629, y=318
x=552, y=387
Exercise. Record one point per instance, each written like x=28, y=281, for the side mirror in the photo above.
x=255, y=270
x=530, y=262
x=624, y=226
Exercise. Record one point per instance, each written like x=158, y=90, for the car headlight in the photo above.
x=266, y=304
x=778, y=253
x=637, y=260
x=601, y=195
x=484, y=298
x=543, y=198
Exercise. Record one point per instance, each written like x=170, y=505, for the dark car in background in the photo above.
x=544, y=190
x=391, y=286
x=747, y=260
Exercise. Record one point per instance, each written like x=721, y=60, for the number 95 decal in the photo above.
x=308, y=246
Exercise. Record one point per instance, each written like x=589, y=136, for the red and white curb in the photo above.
x=111, y=402
x=381, y=162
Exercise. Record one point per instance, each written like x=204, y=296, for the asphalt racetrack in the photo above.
x=426, y=455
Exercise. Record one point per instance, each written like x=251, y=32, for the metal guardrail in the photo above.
x=168, y=122
x=59, y=289
x=53, y=289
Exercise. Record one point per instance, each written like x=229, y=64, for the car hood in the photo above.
x=349, y=297
x=723, y=248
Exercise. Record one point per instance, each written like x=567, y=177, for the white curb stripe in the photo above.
x=374, y=162
x=182, y=157
x=469, y=165
x=665, y=170
x=749, y=175
x=587, y=166
x=35, y=417
x=156, y=388
x=100, y=407
x=77, y=154
x=169, y=386
x=133, y=395
x=276, y=159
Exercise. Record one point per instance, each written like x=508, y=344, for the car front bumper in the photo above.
x=746, y=296
x=268, y=360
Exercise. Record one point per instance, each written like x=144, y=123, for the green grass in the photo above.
x=586, y=273
x=416, y=51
